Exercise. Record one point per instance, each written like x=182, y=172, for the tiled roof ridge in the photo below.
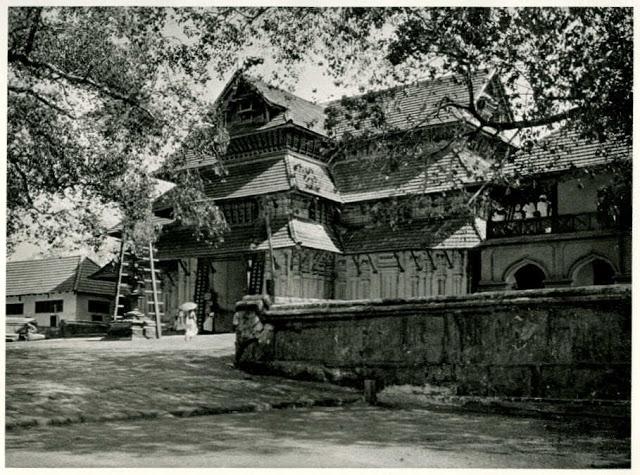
x=324, y=104
x=417, y=82
x=83, y=262
x=52, y=258
x=281, y=90
x=78, y=271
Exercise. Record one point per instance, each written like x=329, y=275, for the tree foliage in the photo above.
x=99, y=96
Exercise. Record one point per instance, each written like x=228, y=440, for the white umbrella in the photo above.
x=188, y=306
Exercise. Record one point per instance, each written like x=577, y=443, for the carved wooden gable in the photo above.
x=244, y=106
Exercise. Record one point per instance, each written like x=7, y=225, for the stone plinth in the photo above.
x=128, y=329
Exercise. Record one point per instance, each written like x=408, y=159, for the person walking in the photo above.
x=191, y=326
x=191, y=322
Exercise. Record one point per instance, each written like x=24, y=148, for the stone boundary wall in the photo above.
x=550, y=343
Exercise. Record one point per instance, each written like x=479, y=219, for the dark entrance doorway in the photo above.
x=603, y=273
x=596, y=272
x=529, y=276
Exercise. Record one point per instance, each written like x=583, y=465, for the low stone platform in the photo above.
x=131, y=329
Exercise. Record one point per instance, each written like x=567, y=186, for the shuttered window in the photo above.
x=49, y=306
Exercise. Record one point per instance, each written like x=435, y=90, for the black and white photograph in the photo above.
x=317, y=235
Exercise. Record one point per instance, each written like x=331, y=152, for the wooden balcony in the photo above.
x=548, y=225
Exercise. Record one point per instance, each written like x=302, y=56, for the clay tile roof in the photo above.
x=411, y=105
x=248, y=179
x=313, y=178
x=563, y=150
x=298, y=110
x=369, y=178
x=444, y=234
x=181, y=242
x=305, y=233
x=56, y=274
x=270, y=176
x=405, y=107
x=315, y=236
x=285, y=232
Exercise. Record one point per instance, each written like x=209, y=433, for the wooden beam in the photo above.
x=274, y=260
x=267, y=225
x=395, y=254
x=431, y=261
x=168, y=275
x=374, y=269
x=448, y=258
x=312, y=257
x=356, y=262
x=184, y=267
x=415, y=260
x=304, y=258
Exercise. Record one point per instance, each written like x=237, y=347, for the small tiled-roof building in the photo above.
x=551, y=231
x=304, y=186
x=55, y=289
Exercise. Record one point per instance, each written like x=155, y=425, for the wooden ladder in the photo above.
x=256, y=274
x=201, y=288
x=140, y=269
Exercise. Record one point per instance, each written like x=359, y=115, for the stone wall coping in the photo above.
x=351, y=308
x=529, y=238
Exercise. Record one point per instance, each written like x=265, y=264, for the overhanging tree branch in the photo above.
x=15, y=57
x=32, y=93
x=32, y=31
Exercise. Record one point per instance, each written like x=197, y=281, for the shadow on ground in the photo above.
x=97, y=379
x=457, y=440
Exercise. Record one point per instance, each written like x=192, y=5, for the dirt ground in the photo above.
x=350, y=436
x=113, y=379
x=70, y=378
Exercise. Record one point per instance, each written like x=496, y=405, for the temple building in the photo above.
x=317, y=209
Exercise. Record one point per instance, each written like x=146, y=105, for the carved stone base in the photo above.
x=131, y=329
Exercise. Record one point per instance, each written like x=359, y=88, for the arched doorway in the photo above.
x=529, y=276
x=594, y=272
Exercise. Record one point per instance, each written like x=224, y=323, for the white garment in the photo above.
x=191, y=327
x=208, y=323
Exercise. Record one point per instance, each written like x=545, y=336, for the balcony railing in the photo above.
x=548, y=225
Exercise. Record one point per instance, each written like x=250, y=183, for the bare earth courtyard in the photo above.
x=132, y=398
